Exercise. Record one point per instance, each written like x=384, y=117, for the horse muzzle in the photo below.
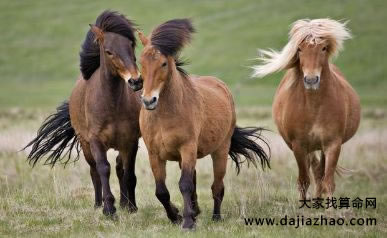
x=312, y=82
x=149, y=104
x=135, y=84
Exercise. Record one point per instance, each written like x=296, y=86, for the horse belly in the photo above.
x=219, y=115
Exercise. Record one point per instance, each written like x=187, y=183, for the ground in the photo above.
x=39, y=45
x=59, y=201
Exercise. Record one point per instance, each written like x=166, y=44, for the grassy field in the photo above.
x=39, y=46
x=41, y=39
x=59, y=202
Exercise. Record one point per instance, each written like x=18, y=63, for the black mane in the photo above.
x=108, y=21
x=170, y=37
x=179, y=65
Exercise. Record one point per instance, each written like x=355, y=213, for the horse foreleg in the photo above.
x=186, y=184
x=332, y=153
x=93, y=173
x=162, y=193
x=194, y=197
x=98, y=151
x=303, y=181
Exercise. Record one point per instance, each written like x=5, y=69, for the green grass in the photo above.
x=40, y=41
x=44, y=202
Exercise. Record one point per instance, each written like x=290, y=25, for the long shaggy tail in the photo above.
x=244, y=142
x=55, y=137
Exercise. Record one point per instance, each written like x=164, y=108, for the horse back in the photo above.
x=76, y=107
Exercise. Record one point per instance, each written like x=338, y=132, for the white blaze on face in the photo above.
x=126, y=76
x=314, y=73
x=154, y=93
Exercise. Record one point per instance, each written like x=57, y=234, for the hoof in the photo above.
x=97, y=205
x=109, y=211
x=196, y=211
x=132, y=209
x=217, y=217
x=124, y=204
x=188, y=224
x=174, y=216
x=128, y=206
x=178, y=219
x=191, y=229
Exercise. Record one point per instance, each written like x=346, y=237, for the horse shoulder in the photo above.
x=282, y=104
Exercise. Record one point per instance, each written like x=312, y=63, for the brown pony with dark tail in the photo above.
x=102, y=112
x=184, y=118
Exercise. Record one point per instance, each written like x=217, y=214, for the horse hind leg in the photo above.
x=126, y=174
x=318, y=173
x=131, y=177
x=93, y=173
x=219, y=162
x=120, y=176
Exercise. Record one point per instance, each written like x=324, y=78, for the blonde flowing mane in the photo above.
x=314, y=31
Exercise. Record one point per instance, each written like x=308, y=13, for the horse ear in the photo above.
x=97, y=32
x=143, y=39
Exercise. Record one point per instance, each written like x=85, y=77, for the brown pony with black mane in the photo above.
x=184, y=118
x=314, y=108
x=102, y=112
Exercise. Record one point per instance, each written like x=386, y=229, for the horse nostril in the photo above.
x=311, y=80
x=153, y=100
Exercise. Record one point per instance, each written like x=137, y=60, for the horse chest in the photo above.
x=164, y=140
x=118, y=135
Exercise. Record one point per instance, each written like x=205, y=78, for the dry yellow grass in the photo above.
x=59, y=202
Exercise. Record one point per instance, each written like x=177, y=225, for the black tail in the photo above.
x=244, y=142
x=54, y=137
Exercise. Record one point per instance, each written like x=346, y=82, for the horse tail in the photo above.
x=54, y=137
x=340, y=171
x=244, y=142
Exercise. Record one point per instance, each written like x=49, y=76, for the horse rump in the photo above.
x=55, y=137
x=244, y=142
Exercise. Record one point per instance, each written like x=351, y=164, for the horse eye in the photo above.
x=324, y=48
x=164, y=64
x=108, y=53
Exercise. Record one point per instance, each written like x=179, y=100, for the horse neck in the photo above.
x=316, y=97
x=176, y=93
x=110, y=85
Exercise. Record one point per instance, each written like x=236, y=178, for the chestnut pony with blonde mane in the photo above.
x=184, y=118
x=314, y=108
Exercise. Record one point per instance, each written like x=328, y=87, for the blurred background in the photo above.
x=39, y=64
x=40, y=42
